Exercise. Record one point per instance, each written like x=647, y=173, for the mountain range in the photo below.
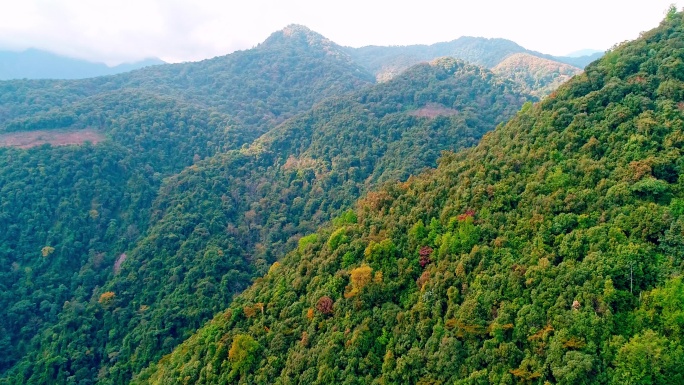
x=584, y=52
x=383, y=62
x=286, y=193
x=386, y=62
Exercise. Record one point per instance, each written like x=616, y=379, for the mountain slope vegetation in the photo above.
x=550, y=253
x=286, y=74
x=536, y=75
x=68, y=214
x=75, y=209
x=224, y=220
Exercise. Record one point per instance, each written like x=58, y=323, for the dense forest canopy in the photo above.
x=122, y=217
x=549, y=253
x=69, y=214
x=77, y=209
x=239, y=172
x=225, y=219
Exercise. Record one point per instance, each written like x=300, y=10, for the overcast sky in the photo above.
x=185, y=30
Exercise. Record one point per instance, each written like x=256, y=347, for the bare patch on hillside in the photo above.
x=302, y=163
x=117, y=264
x=28, y=139
x=432, y=110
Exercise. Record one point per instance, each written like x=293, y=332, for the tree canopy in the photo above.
x=549, y=253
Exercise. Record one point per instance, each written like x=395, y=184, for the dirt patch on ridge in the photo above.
x=28, y=139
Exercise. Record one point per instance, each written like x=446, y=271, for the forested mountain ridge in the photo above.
x=68, y=214
x=386, y=62
x=259, y=87
x=245, y=82
x=115, y=253
x=550, y=253
x=39, y=64
x=227, y=218
x=288, y=73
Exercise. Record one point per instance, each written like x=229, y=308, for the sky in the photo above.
x=115, y=31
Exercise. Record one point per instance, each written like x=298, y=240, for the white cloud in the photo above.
x=179, y=30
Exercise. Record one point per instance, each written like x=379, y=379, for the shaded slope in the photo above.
x=537, y=76
x=225, y=219
x=551, y=252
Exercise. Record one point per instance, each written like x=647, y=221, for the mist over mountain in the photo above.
x=382, y=61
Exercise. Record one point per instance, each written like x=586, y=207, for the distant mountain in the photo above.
x=581, y=61
x=584, y=52
x=386, y=62
x=536, y=75
x=38, y=64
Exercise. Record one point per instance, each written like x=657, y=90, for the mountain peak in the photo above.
x=294, y=29
x=298, y=34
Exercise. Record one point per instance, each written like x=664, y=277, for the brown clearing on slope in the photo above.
x=432, y=110
x=28, y=139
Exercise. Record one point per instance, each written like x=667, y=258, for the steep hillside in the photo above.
x=225, y=219
x=37, y=64
x=550, y=253
x=69, y=214
x=386, y=62
x=537, y=76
